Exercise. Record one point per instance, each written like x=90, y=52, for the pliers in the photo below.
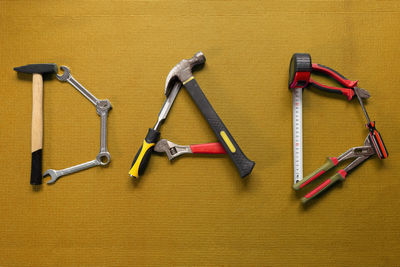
x=361, y=153
x=302, y=78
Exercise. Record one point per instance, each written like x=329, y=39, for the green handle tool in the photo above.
x=329, y=164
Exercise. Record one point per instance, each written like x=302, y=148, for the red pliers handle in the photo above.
x=348, y=84
x=300, y=76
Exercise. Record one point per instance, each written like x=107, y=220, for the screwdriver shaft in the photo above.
x=362, y=104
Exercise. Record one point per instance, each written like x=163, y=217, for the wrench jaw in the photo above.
x=103, y=106
x=65, y=76
x=171, y=149
x=53, y=174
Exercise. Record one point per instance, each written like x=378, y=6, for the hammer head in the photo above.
x=37, y=68
x=183, y=71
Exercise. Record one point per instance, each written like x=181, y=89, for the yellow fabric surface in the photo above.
x=197, y=210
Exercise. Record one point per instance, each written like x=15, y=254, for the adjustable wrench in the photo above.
x=173, y=150
x=102, y=108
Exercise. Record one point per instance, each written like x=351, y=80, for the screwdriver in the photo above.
x=374, y=136
x=142, y=157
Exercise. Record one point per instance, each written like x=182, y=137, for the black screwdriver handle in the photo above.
x=243, y=164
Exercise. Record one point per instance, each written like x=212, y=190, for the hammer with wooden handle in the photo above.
x=37, y=115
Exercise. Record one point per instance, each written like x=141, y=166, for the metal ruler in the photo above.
x=297, y=134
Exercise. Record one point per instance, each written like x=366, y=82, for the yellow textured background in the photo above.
x=197, y=211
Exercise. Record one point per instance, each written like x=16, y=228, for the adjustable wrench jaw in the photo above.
x=171, y=149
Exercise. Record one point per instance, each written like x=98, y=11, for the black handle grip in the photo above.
x=142, y=157
x=326, y=88
x=349, y=93
x=334, y=74
x=36, y=167
x=243, y=164
x=328, y=71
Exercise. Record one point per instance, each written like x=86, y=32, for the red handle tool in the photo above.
x=210, y=148
x=348, y=84
x=361, y=154
x=173, y=150
x=302, y=78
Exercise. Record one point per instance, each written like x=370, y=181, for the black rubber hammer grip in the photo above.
x=243, y=164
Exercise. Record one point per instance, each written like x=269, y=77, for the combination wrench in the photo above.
x=102, y=108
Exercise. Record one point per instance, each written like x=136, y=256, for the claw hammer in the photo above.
x=183, y=73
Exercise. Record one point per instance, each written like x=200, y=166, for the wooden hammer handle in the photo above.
x=37, y=129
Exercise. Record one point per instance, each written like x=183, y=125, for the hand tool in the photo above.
x=103, y=158
x=142, y=157
x=349, y=85
x=374, y=136
x=361, y=154
x=300, y=70
x=173, y=150
x=183, y=72
x=37, y=115
x=299, y=76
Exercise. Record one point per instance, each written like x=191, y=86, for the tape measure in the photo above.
x=299, y=76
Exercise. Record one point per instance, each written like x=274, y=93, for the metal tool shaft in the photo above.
x=356, y=90
x=83, y=90
x=167, y=105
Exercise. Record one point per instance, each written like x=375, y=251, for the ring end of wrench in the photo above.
x=103, y=158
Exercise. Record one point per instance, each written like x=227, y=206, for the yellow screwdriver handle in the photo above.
x=142, y=157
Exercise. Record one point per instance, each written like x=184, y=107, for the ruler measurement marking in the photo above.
x=297, y=134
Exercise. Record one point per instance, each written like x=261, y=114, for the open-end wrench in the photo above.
x=102, y=109
x=55, y=174
x=67, y=77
